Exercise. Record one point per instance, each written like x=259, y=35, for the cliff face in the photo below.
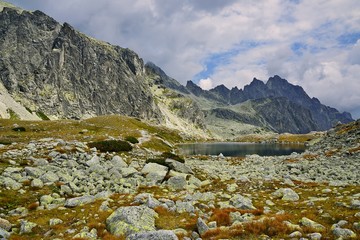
x=55, y=69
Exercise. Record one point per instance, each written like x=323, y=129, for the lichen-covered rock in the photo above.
x=286, y=194
x=241, y=202
x=344, y=233
x=129, y=220
x=177, y=183
x=36, y=183
x=78, y=201
x=55, y=221
x=178, y=166
x=154, y=235
x=154, y=172
x=5, y=224
x=4, y=234
x=306, y=222
x=201, y=226
x=26, y=227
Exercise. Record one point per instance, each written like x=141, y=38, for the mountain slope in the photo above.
x=55, y=69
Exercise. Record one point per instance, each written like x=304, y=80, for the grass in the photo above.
x=111, y=146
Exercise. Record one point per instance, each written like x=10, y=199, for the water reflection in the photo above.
x=240, y=149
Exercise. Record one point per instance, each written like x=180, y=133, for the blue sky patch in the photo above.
x=298, y=48
x=224, y=58
x=348, y=38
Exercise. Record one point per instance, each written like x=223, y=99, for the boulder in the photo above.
x=343, y=233
x=26, y=226
x=130, y=220
x=178, y=166
x=241, y=202
x=118, y=162
x=5, y=224
x=306, y=222
x=36, y=183
x=286, y=194
x=177, y=183
x=201, y=226
x=78, y=201
x=154, y=172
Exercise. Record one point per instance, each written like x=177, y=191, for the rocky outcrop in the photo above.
x=60, y=72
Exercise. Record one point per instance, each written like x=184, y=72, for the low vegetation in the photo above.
x=111, y=146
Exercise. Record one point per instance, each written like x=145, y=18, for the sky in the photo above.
x=311, y=43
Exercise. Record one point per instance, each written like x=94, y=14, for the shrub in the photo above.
x=132, y=139
x=19, y=129
x=111, y=146
x=42, y=115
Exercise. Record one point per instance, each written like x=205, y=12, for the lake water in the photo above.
x=240, y=149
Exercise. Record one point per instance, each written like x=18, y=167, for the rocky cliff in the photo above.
x=55, y=70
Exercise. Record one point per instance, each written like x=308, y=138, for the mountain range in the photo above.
x=51, y=70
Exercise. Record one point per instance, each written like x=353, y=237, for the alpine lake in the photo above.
x=236, y=149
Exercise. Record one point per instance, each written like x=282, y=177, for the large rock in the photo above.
x=154, y=235
x=130, y=220
x=177, y=183
x=286, y=194
x=202, y=227
x=26, y=227
x=78, y=201
x=178, y=166
x=154, y=172
x=312, y=225
x=5, y=224
x=241, y=202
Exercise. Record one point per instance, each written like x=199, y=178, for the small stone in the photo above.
x=36, y=183
x=296, y=234
x=46, y=200
x=5, y=224
x=269, y=203
x=26, y=227
x=4, y=234
x=201, y=226
x=311, y=224
x=55, y=221
x=343, y=233
x=355, y=204
x=314, y=236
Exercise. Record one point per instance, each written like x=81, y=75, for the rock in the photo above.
x=355, y=204
x=5, y=224
x=314, y=236
x=286, y=194
x=46, y=200
x=127, y=172
x=55, y=221
x=178, y=166
x=129, y=220
x=118, y=162
x=36, y=183
x=201, y=226
x=311, y=224
x=182, y=207
x=356, y=226
x=241, y=202
x=343, y=233
x=11, y=184
x=155, y=172
x=49, y=177
x=296, y=234
x=86, y=234
x=94, y=161
x=78, y=201
x=26, y=227
x=177, y=183
x=4, y=234
x=154, y=235
x=236, y=217
x=33, y=172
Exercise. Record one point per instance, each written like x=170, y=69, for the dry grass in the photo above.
x=172, y=220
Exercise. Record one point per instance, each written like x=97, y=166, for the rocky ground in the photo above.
x=53, y=188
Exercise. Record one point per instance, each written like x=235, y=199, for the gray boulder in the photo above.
x=177, y=183
x=26, y=227
x=78, y=201
x=311, y=224
x=286, y=194
x=155, y=172
x=154, y=235
x=241, y=202
x=36, y=183
x=10, y=183
x=4, y=234
x=5, y=224
x=201, y=226
x=130, y=220
x=178, y=166
x=118, y=162
x=344, y=233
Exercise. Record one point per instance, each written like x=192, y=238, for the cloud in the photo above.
x=311, y=43
x=206, y=83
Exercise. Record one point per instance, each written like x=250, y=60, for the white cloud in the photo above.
x=206, y=84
